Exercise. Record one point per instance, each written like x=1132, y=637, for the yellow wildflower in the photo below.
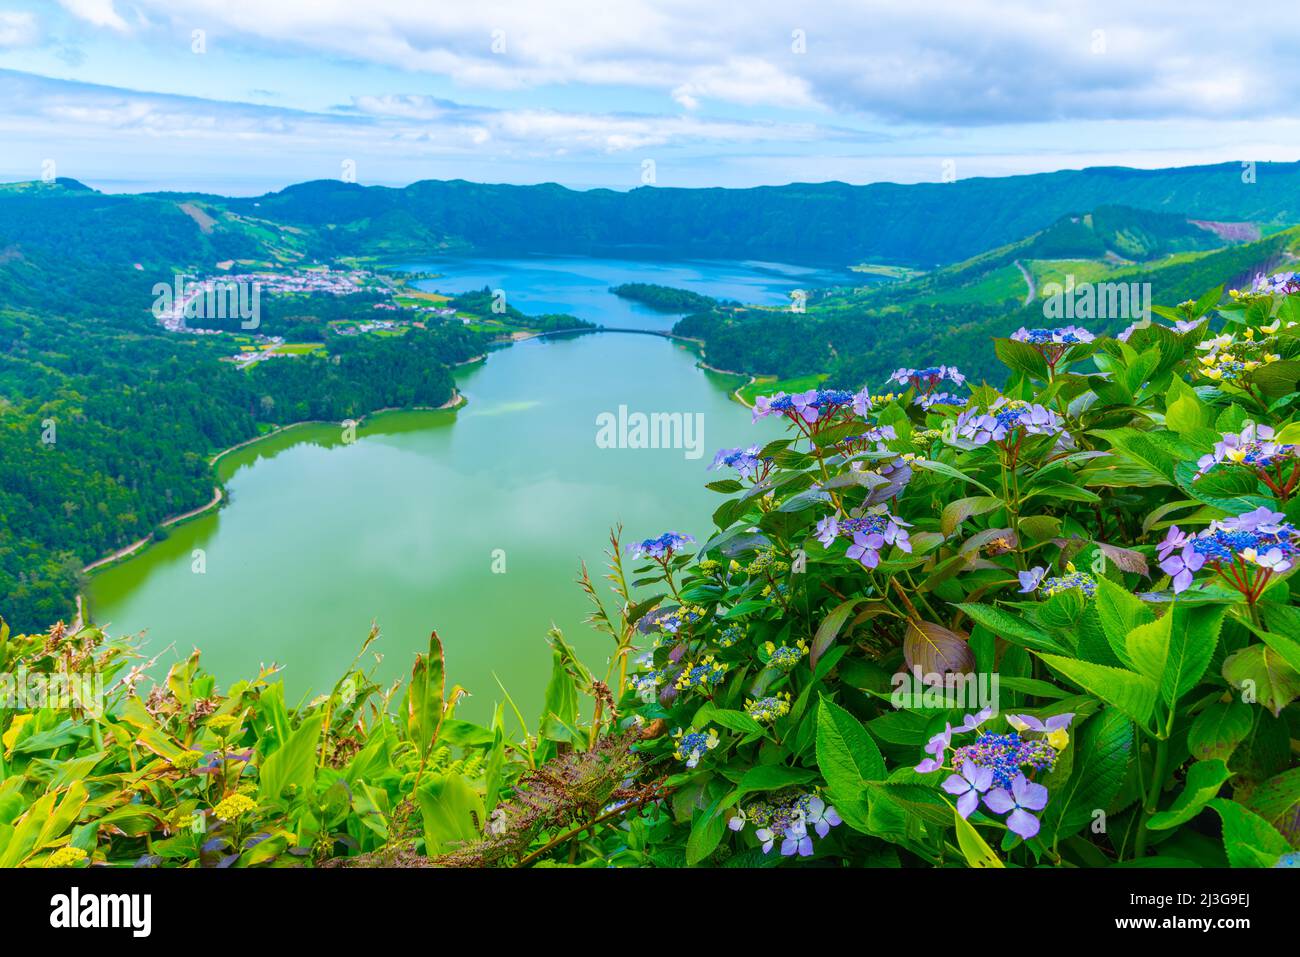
x=67, y=857
x=234, y=807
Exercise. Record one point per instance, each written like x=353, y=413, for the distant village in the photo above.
x=188, y=301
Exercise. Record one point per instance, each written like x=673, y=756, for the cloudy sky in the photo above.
x=243, y=96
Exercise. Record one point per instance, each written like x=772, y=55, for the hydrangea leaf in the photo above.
x=846, y=755
x=1204, y=779
x=1264, y=676
x=1132, y=693
x=1102, y=750
x=1218, y=730
x=1248, y=839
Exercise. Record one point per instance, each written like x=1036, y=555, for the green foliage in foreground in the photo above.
x=752, y=712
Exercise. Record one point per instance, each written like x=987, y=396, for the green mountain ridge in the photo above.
x=924, y=225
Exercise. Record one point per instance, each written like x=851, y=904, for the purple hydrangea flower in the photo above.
x=1024, y=796
x=1004, y=417
x=1030, y=580
x=967, y=785
x=1174, y=539
x=822, y=816
x=827, y=530
x=797, y=841
x=972, y=721
x=938, y=747
x=1183, y=567
x=866, y=548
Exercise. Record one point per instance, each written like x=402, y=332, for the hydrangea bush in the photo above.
x=1111, y=534
x=1044, y=624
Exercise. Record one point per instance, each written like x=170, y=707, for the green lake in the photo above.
x=471, y=522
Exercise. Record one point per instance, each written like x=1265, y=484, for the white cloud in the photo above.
x=419, y=124
x=99, y=13
x=956, y=62
x=18, y=29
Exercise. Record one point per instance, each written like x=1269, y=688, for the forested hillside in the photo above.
x=103, y=434
x=923, y=224
x=106, y=421
x=860, y=335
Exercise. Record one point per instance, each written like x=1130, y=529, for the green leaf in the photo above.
x=1207, y=301
x=1156, y=451
x=707, y=829
x=293, y=764
x=726, y=486
x=846, y=755
x=1031, y=686
x=1264, y=676
x=973, y=847
x=452, y=813
x=1194, y=634
x=1288, y=649
x=1185, y=413
x=1133, y=694
x=830, y=627
x=264, y=850
x=65, y=812
x=1288, y=435
x=1102, y=750
x=1204, y=779
x=730, y=719
x=1277, y=801
x=1175, y=650
x=1148, y=648
x=1021, y=357
x=1248, y=839
x=1217, y=730
x=943, y=468
x=1277, y=379
x=424, y=698
x=1006, y=625
x=560, y=708
x=920, y=802
x=771, y=777
x=1120, y=612
x=956, y=512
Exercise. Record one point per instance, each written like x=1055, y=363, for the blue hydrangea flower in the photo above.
x=785, y=657
x=662, y=547
x=807, y=407
x=1066, y=335
x=768, y=709
x=745, y=461
x=1245, y=551
x=1006, y=755
x=693, y=745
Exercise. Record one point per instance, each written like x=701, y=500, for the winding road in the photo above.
x=1029, y=281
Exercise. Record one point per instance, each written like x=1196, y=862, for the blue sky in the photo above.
x=244, y=96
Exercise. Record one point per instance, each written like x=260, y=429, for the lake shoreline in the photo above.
x=457, y=400
x=131, y=550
